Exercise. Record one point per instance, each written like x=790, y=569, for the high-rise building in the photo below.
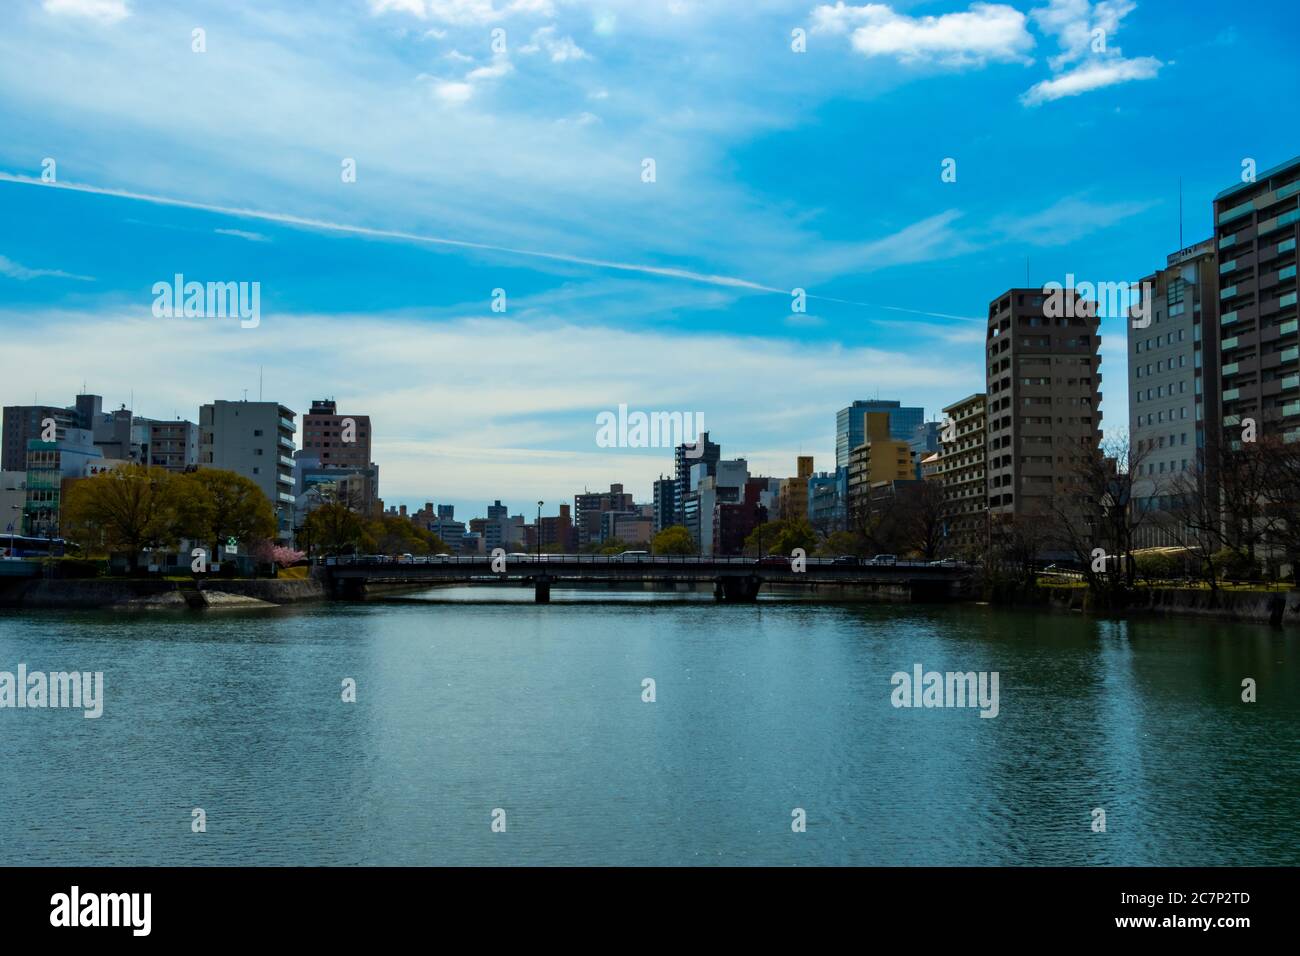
x=1173, y=384
x=342, y=441
x=880, y=459
x=850, y=431
x=1044, y=378
x=793, y=501
x=587, y=509
x=828, y=494
x=685, y=457
x=1256, y=226
x=256, y=440
x=664, y=503
x=961, y=469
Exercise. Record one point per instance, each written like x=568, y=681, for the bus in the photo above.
x=30, y=546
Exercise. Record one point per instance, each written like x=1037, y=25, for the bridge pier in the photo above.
x=737, y=590
x=542, y=590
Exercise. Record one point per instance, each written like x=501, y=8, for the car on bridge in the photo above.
x=634, y=556
x=773, y=561
x=884, y=559
x=849, y=559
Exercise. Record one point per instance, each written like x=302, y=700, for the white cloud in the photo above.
x=1066, y=220
x=559, y=49
x=1093, y=75
x=463, y=12
x=242, y=234
x=14, y=270
x=106, y=11
x=487, y=444
x=986, y=31
x=1086, y=34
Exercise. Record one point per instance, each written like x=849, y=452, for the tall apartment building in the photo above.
x=962, y=470
x=342, y=441
x=256, y=440
x=664, y=503
x=1256, y=226
x=880, y=460
x=685, y=457
x=1173, y=383
x=1044, y=393
x=794, y=491
x=850, y=429
x=587, y=509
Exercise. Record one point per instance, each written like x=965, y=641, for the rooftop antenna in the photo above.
x=245, y=394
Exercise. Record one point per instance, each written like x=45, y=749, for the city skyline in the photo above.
x=639, y=306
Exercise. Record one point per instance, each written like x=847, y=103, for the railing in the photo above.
x=602, y=560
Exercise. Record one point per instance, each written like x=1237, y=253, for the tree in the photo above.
x=923, y=521
x=126, y=509
x=841, y=543
x=218, y=505
x=782, y=536
x=1095, y=510
x=393, y=534
x=673, y=540
x=334, y=529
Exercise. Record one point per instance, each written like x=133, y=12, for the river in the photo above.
x=471, y=710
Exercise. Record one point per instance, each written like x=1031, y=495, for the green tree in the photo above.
x=126, y=510
x=782, y=537
x=334, y=529
x=842, y=542
x=218, y=504
x=673, y=540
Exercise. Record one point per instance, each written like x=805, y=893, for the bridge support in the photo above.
x=542, y=590
x=737, y=590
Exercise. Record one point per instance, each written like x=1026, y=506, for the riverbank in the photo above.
x=137, y=595
x=1276, y=608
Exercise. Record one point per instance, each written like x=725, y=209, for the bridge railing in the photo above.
x=656, y=560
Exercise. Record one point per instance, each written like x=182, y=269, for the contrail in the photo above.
x=327, y=226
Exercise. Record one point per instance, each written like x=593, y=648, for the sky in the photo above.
x=902, y=163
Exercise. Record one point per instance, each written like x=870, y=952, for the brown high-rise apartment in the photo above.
x=341, y=442
x=1256, y=225
x=1044, y=389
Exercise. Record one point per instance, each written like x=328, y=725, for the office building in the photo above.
x=850, y=430
x=256, y=440
x=879, y=459
x=1173, y=385
x=685, y=457
x=588, y=507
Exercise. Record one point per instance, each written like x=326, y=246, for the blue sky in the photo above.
x=520, y=168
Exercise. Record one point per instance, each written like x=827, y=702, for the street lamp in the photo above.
x=539, y=529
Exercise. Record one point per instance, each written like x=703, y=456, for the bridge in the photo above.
x=733, y=579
